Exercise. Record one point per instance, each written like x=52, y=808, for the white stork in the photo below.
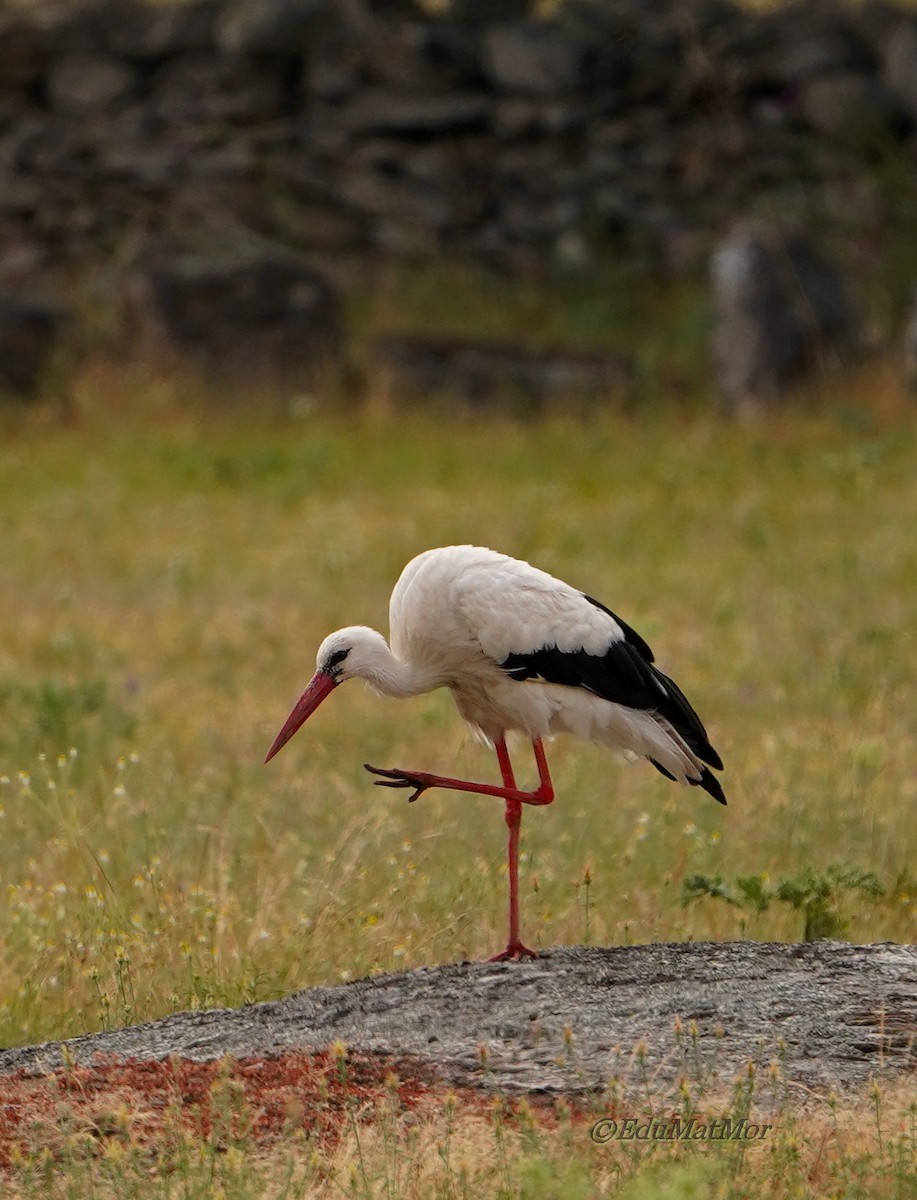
x=519, y=650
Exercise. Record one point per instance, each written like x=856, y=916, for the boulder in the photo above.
x=81, y=84
x=847, y=105
x=252, y=316
x=30, y=331
x=781, y=312
x=191, y=89
x=815, y=1020
x=428, y=185
x=900, y=67
x=485, y=12
x=532, y=57
x=148, y=33
x=420, y=57
x=27, y=49
x=377, y=112
x=910, y=345
x=272, y=28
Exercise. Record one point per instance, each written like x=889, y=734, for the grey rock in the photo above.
x=81, y=84
x=834, y=1016
x=900, y=67
x=533, y=57
x=190, y=89
x=274, y=28
x=429, y=184
x=486, y=12
x=909, y=344
x=27, y=50
x=243, y=317
x=848, y=105
x=420, y=56
x=20, y=195
x=617, y=119
x=30, y=331
x=145, y=164
x=380, y=113
x=136, y=30
x=781, y=311
x=147, y=33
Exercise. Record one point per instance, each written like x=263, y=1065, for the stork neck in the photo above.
x=392, y=676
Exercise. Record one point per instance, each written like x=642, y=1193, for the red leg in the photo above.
x=514, y=797
x=514, y=947
x=421, y=780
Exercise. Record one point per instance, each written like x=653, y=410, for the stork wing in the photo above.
x=537, y=628
x=511, y=607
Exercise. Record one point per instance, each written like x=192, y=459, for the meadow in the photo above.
x=168, y=567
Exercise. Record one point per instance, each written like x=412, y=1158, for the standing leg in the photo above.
x=514, y=798
x=514, y=947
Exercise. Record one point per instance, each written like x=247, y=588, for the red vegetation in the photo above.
x=258, y=1100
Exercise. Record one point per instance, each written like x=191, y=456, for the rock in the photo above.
x=847, y=105
x=425, y=185
x=80, y=84
x=380, y=113
x=478, y=372
x=30, y=331
x=531, y=56
x=27, y=50
x=900, y=67
x=247, y=317
x=312, y=213
x=781, y=311
x=831, y=1016
x=485, y=12
x=272, y=28
x=20, y=195
x=910, y=345
x=190, y=89
x=146, y=33
x=509, y=135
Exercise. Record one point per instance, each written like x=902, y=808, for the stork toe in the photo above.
x=395, y=778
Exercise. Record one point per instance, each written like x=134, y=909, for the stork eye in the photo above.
x=337, y=657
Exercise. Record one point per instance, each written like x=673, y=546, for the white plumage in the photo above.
x=519, y=650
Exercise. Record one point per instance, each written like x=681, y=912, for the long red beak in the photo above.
x=320, y=685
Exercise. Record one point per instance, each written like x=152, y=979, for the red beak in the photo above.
x=320, y=685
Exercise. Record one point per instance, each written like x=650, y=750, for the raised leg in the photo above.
x=420, y=781
x=515, y=797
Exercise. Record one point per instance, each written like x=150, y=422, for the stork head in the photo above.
x=356, y=652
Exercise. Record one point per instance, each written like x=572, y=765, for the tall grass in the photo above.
x=168, y=569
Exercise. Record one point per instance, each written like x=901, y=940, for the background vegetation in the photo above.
x=168, y=569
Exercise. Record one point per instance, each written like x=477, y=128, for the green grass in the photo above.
x=167, y=573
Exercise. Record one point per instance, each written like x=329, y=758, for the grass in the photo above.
x=163, y=587
x=460, y=1145
x=168, y=570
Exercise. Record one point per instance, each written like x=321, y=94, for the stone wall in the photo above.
x=342, y=129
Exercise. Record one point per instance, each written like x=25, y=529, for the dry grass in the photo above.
x=196, y=1132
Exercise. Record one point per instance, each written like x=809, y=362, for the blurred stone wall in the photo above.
x=344, y=127
x=143, y=146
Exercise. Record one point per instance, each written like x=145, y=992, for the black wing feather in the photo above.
x=624, y=674
x=630, y=635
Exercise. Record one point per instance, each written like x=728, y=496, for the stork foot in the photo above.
x=395, y=778
x=513, y=950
